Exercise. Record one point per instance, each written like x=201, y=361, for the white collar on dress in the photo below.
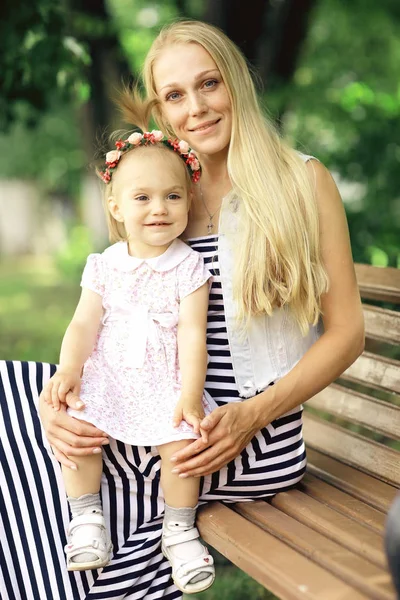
x=117, y=255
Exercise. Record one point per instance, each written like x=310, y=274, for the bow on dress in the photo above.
x=142, y=326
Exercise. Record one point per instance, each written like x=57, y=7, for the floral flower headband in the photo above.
x=146, y=139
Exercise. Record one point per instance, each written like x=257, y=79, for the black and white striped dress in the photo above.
x=33, y=508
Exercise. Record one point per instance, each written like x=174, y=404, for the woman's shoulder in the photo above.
x=307, y=157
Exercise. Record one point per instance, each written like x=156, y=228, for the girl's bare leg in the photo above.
x=86, y=479
x=178, y=492
x=83, y=491
x=181, y=543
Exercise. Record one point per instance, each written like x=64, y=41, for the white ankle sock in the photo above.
x=80, y=506
x=86, y=504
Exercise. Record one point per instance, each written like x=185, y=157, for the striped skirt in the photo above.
x=34, y=512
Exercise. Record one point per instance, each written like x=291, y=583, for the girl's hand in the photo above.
x=230, y=428
x=69, y=436
x=190, y=409
x=57, y=388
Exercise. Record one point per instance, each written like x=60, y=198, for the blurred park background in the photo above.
x=328, y=72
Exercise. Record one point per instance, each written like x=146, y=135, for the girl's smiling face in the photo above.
x=151, y=197
x=193, y=97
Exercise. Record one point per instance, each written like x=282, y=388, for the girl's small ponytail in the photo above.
x=135, y=109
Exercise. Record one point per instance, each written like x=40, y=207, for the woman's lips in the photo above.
x=206, y=128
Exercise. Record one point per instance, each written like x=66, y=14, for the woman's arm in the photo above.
x=231, y=427
x=192, y=350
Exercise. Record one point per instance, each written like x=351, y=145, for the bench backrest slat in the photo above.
x=376, y=370
x=353, y=406
x=366, y=488
x=352, y=449
x=348, y=418
x=382, y=324
x=377, y=283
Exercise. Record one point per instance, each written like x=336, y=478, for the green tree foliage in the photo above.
x=343, y=104
x=344, y=107
x=37, y=57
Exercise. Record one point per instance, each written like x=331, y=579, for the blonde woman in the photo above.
x=284, y=317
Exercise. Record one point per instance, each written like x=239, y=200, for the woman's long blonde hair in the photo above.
x=279, y=262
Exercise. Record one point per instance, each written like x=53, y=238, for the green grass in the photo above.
x=231, y=584
x=36, y=304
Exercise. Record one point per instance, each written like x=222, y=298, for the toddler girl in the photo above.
x=135, y=349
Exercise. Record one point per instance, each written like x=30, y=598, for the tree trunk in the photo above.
x=269, y=33
x=108, y=70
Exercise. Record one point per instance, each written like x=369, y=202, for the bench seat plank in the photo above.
x=348, y=533
x=376, y=493
x=343, y=503
x=359, y=408
x=324, y=538
x=266, y=558
x=369, y=579
x=347, y=446
x=375, y=370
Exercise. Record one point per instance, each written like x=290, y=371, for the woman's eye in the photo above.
x=173, y=96
x=210, y=83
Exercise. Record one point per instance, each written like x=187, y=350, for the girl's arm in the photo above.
x=231, y=427
x=192, y=351
x=76, y=347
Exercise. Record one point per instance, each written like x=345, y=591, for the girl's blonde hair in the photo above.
x=279, y=262
x=135, y=111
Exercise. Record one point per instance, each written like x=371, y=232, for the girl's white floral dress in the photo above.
x=131, y=382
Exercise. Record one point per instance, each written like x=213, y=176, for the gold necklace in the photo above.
x=210, y=225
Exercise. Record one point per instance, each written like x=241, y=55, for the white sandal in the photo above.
x=88, y=534
x=184, y=571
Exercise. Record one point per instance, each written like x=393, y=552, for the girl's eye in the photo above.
x=174, y=197
x=173, y=96
x=141, y=198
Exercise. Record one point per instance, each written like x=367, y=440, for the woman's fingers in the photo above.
x=68, y=448
x=63, y=459
x=204, y=435
x=211, y=466
x=62, y=424
x=190, y=450
x=46, y=393
x=62, y=429
x=77, y=445
x=211, y=420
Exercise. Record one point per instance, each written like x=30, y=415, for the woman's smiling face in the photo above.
x=194, y=98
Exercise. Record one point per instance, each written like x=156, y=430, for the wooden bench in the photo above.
x=324, y=539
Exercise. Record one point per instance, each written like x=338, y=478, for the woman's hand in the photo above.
x=230, y=428
x=69, y=436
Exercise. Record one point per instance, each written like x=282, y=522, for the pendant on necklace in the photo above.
x=210, y=226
